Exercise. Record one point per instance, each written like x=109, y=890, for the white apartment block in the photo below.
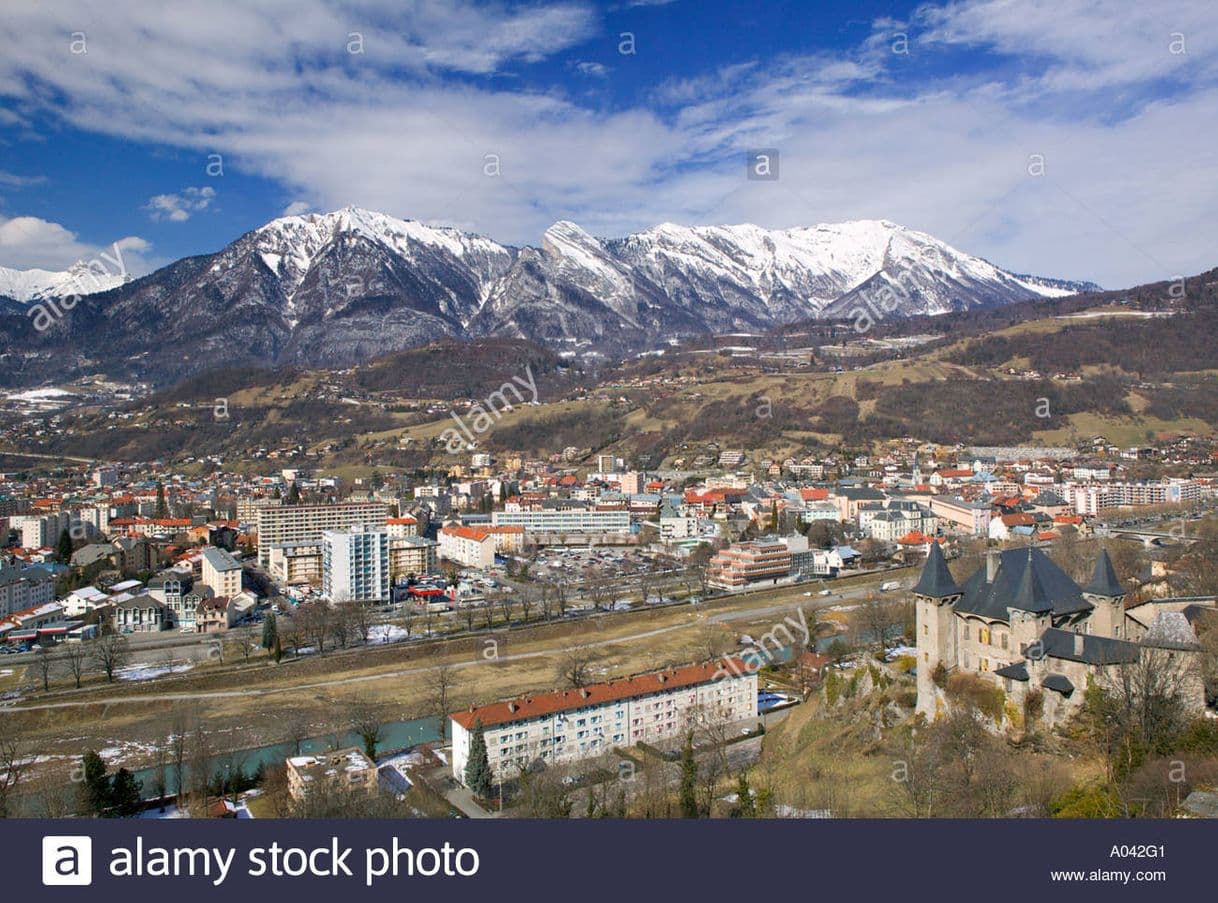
x=468, y=546
x=355, y=565
x=961, y=515
x=39, y=530
x=1090, y=499
x=23, y=588
x=221, y=572
x=301, y=523
x=568, y=725
x=573, y=520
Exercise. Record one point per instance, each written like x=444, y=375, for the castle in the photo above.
x=1023, y=623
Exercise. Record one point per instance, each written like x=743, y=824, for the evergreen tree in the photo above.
x=63, y=548
x=294, y=494
x=745, y=807
x=270, y=632
x=478, y=776
x=95, y=785
x=125, y=794
x=689, y=780
x=162, y=510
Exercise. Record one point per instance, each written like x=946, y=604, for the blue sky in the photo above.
x=618, y=116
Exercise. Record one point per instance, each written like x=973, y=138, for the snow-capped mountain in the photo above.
x=34, y=285
x=337, y=288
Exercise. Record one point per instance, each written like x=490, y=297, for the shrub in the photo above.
x=978, y=693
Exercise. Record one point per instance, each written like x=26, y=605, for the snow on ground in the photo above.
x=150, y=672
x=39, y=395
x=386, y=633
x=897, y=651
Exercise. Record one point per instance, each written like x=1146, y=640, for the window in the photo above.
x=966, y=631
x=1005, y=641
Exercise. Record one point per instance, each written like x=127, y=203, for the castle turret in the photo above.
x=1108, y=596
x=935, y=595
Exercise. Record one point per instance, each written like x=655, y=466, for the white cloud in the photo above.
x=177, y=208
x=13, y=180
x=296, y=208
x=1125, y=125
x=28, y=242
x=591, y=69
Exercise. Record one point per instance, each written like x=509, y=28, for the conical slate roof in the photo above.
x=936, y=580
x=1030, y=593
x=1104, y=582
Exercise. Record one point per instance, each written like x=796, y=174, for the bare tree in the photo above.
x=111, y=652
x=575, y=665
x=359, y=620
x=526, y=603
x=440, y=682
x=313, y=620
x=873, y=622
x=598, y=589
x=12, y=766
x=368, y=725
x=710, y=642
x=76, y=657
x=51, y=795
x=178, y=743
x=43, y=663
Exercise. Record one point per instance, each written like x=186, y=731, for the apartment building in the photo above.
x=299, y=523
x=564, y=520
x=38, y=530
x=411, y=555
x=355, y=564
x=744, y=563
x=221, y=572
x=296, y=563
x=962, y=515
x=22, y=588
x=470, y=546
x=568, y=725
x=1089, y=499
x=402, y=526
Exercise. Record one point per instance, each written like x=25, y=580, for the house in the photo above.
x=212, y=615
x=1023, y=624
x=344, y=769
x=141, y=614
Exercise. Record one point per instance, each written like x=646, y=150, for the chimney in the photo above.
x=1078, y=644
x=583, y=691
x=512, y=707
x=992, y=559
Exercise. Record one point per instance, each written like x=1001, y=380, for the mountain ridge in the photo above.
x=324, y=289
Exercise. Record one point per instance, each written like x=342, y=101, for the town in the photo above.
x=792, y=586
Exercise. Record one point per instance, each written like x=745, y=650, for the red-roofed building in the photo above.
x=471, y=546
x=568, y=725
